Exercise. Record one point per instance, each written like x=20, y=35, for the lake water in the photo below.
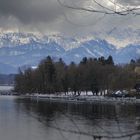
x=22, y=119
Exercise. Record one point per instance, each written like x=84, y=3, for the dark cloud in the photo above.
x=48, y=15
x=28, y=11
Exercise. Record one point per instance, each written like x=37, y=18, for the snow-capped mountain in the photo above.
x=91, y=48
x=122, y=37
x=124, y=55
x=18, y=39
x=18, y=49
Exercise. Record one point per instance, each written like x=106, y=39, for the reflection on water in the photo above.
x=30, y=120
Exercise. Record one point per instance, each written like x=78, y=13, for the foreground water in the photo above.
x=22, y=119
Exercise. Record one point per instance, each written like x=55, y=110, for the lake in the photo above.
x=24, y=119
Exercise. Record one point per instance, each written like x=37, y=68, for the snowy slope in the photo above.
x=18, y=49
x=91, y=48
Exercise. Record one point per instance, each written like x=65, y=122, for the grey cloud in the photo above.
x=27, y=11
x=130, y=2
x=48, y=15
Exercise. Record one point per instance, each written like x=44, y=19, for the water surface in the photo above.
x=22, y=119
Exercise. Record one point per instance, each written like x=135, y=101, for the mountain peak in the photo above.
x=18, y=49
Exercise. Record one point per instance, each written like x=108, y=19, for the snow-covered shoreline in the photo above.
x=81, y=99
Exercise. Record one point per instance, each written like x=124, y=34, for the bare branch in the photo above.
x=123, y=10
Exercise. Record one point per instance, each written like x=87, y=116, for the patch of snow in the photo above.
x=6, y=88
x=101, y=54
x=91, y=53
x=34, y=67
x=77, y=55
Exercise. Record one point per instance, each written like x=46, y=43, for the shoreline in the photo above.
x=81, y=99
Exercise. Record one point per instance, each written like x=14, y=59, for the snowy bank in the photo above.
x=82, y=98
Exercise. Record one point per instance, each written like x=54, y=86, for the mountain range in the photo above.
x=20, y=49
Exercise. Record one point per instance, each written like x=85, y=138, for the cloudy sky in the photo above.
x=49, y=16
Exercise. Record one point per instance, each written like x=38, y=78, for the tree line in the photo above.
x=91, y=74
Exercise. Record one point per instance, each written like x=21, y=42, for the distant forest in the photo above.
x=91, y=74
